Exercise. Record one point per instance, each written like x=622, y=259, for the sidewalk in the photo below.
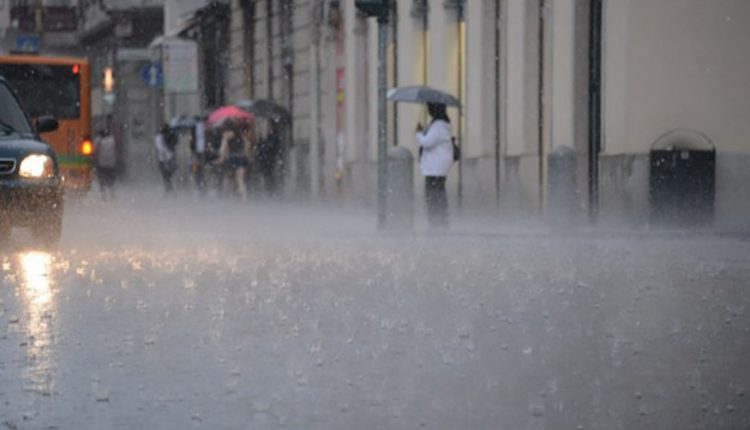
x=147, y=213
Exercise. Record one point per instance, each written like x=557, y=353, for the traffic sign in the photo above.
x=180, y=59
x=152, y=74
x=27, y=43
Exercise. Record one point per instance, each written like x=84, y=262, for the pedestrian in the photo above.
x=165, y=143
x=237, y=142
x=198, y=153
x=105, y=162
x=267, y=153
x=435, y=159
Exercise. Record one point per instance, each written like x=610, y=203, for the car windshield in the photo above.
x=12, y=118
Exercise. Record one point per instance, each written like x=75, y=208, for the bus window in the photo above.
x=11, y=116
x=45, y=89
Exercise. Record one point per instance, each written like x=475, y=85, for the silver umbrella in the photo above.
x=183, y=122
x=422, y=94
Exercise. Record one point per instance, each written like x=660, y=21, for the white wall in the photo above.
x=677, y=63
x=411, y=63
x=357, y=86
x=563, y=54
x=480, y=85
x=515, y=77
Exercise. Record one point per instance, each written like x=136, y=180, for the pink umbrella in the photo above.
x=228, y=113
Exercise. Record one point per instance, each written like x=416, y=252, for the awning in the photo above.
x=185, y=24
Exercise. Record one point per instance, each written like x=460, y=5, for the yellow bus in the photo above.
x=60, y=87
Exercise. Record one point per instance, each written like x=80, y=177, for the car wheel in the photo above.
x=49, y=229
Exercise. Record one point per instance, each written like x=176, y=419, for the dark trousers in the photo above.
x=106, y=177
x=167, y=169
x=198, y=172
x=437, y=201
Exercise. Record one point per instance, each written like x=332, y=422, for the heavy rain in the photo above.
x=147, y=316
x=417, y=253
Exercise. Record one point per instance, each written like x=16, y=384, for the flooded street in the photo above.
x=154, y=314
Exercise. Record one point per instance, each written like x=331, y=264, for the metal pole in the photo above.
x=382, y=120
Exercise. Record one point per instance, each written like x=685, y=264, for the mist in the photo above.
x=213, y=313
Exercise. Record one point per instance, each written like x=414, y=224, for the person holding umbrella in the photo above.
x=437, y=151
x=105, y=160
x=237, y=143
x=165, y=143
x=267, y=153
x=235, y=126
x=436, y=157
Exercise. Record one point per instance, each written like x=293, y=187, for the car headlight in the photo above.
x=37, y=166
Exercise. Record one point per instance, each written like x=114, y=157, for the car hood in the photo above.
x=19, y=147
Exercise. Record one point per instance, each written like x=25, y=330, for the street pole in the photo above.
x=379, y=9
x=382, y=120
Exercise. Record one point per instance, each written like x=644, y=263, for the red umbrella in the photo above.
x=228, y=113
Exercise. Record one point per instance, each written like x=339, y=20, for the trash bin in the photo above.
x=400, y=190
x=561, y=185
x=682, y=177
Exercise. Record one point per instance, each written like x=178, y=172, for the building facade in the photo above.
x=602, y=78
x=114, y=36
x=32, y=26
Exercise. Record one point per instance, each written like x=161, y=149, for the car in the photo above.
x=31, y=193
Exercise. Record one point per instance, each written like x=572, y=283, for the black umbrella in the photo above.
x=265, y=109
x=183, y=122
x=422, y=94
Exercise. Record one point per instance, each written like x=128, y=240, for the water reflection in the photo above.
x=37, y=295
x=36, y=268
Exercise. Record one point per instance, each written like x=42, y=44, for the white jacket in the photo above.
x=437, y=149
x=163, y=154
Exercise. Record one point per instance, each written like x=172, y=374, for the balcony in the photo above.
x=123, y=18
x=27, y=17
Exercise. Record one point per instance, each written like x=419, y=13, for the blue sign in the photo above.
x=153, y=75
x=27, y=43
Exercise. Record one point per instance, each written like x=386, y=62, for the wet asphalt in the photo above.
x=187, y=313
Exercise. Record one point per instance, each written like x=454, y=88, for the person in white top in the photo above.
x=105, y=157
x=164, y=142
x=435, y=160
x=198, y=153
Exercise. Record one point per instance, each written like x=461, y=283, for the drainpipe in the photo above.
x=540, y=101
x=269, y=46
x=425, y=43
x=497, y=106
x=287, y=38
x=595, y=108
x=460, y=137
x=318, y=22
x=382, y=121
x=394, y=33
x=287, y=60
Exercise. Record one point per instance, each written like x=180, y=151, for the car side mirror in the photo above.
x=46, y=123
